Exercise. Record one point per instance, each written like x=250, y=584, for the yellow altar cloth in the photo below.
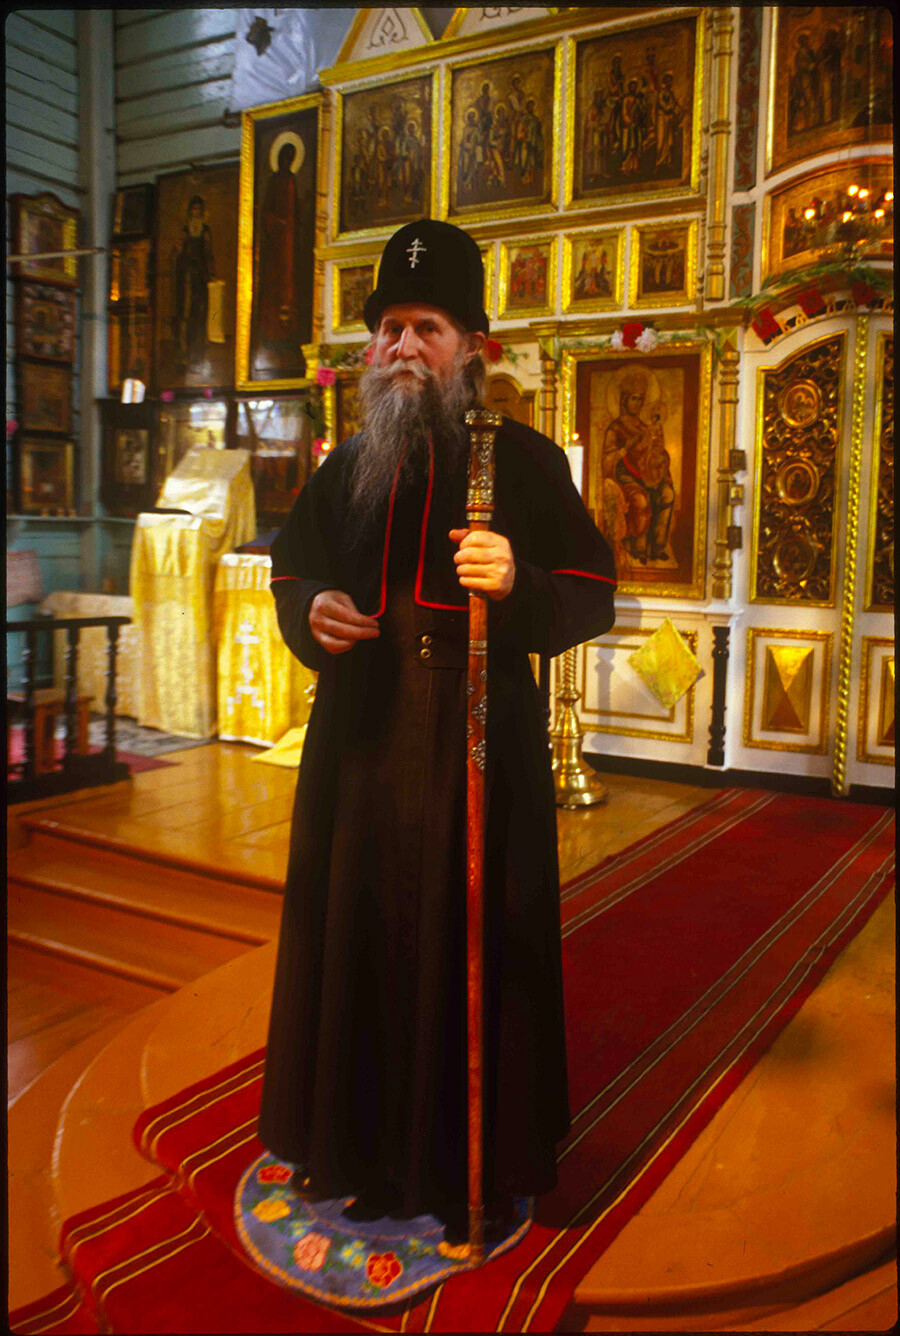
x=90, y=675
x=262, y=688
x=173, y=562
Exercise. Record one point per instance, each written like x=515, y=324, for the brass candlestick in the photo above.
x=575, y=783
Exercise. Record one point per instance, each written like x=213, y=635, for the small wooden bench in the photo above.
x=48, y=703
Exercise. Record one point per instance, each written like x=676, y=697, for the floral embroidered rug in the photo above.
x=314, y=1248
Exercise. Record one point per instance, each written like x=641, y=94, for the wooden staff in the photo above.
x=482, y=426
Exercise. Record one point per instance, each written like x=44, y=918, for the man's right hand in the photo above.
x=336, y=622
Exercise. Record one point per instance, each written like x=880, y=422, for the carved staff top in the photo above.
x=482, y=424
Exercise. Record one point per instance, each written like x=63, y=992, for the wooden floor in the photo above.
x=218, y=807
x=799, y=1154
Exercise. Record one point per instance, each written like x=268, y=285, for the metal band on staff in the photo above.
x=482, y=426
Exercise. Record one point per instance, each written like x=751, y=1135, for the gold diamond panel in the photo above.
x=612, y=714
x=880, y=584
x=798, y=432
x=787, y=689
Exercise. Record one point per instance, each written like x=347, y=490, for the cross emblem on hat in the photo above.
x=414, y=251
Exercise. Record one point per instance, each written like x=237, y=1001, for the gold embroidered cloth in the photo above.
x=173, y=563
x=667, y=665
x=90, y=675
x=261, y=686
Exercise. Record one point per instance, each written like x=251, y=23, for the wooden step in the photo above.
x=162, y=954
x=133, y=885
x=171, y=852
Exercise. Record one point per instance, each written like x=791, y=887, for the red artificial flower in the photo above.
x=167, y=396
x=811, y=301
x=631, y=332
x=320, y=446
x=765, y=326
x=207, y=394
x=382, y=1269
x=325, y=375
x=493, y=351
x=369, y=354
x=12, y=427
x=862, y=292
x=273, y=1173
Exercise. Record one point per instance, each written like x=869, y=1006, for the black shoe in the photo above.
x=372, y=1205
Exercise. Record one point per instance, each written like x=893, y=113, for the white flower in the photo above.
x=615, y=339
x=647, y=340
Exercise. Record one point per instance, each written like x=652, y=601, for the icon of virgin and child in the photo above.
x=638, y=490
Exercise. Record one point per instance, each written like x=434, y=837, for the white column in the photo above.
x=96, y=83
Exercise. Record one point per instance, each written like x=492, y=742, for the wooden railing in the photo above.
x=79, y=769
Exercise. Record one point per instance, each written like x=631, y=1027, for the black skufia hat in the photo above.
x=435, y=264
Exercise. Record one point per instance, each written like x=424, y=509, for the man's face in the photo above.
x=417, y=336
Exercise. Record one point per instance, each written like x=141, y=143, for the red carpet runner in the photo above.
x=684, y=956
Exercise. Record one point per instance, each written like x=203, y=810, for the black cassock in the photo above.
x=365, y=1081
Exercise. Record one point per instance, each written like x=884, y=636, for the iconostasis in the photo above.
x=685, y=218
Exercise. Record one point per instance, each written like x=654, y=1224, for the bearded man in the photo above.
x=365, y=1085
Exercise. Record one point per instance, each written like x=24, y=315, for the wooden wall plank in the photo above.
x=181, y=122
x=27, y=36
x=21, y=179
x=26, y=146
x=57, y=80
x=23, y=111
x=213, y=61
x=181, y=98
x=122, y=18
x=168, y=151
x=173, y=31
x=44, y=92
x=61, y=21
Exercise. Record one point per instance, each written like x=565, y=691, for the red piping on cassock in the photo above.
x=588, y=575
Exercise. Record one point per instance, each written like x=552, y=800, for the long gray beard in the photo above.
x=394, y=417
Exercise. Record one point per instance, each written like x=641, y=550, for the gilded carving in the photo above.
x=880, y=585
x=747, y=119
x=798, y=427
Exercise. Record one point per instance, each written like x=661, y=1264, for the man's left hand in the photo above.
x=484, y=562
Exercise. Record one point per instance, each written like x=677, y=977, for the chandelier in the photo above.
x=854, y=218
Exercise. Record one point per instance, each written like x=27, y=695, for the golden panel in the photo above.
x=876, y=725
x=386, y=101
x=593, y=270
x=787, y=689
x=663, y=265
x=351, y=283
x=797, y=474
x=487, y=259
x=790, y=676
x=527, y=278
x=494, y=177
x=246, y=279
x=622, y=635
x=595, y=54
x=880, y=564
x=679, y=380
